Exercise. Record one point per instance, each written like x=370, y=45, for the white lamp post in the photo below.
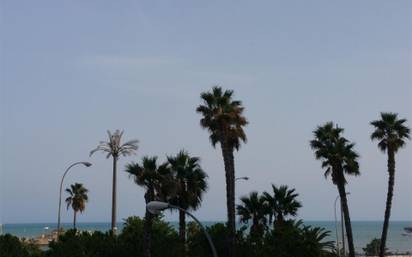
x=86, y=164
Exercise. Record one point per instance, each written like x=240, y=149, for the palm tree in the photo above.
x=338, y=158
x=154, y=179
x=392, y=134
x=282, y=203
x=77, y=199
x=115, y=149
x=223, y=118
x=191, y=184
x=252, y=207
x=314, y=239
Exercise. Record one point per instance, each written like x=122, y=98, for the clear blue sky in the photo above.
x=70, y=70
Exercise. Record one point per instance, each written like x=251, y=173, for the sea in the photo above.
x=399, y=241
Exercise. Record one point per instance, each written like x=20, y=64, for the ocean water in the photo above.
x=363, y=231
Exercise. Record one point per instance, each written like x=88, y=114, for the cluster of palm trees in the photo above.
x=180, y=180
x=268, y=208
x=339, y=158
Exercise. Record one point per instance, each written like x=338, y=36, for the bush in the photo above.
x=372, y=249
x=11, y=246
x=129, y=243
x=294, y=239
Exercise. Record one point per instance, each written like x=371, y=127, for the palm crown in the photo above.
x=252, y=207
x=223, y=117
x=335, y=151
x=151, y=176
x=283, y=202
x=114, y=147
x=390, y=132
x=77, y=197
x=189, y=178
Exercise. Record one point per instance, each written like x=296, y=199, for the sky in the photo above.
x=70, y=70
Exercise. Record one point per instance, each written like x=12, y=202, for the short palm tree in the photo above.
x=252, y=207
x=154, y=179
x=191, y=184
x=223, y=118
x=282, y=203
x=392, y=134
x=77, y=199
x=314, y=238
x=114, y=148
x=338, y=158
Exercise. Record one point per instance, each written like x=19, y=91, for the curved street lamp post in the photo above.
x=87, y=164
x=155, y=207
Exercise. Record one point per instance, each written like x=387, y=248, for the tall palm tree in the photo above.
x=154, y=179
x=282, y=203
x=338, y=158
x=223, y=118
x=252, y=207
x=114, y=148
x=191, y=184
x=77, y=199
x=392, y=134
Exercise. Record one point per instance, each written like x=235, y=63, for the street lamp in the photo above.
x=155, y=207
x=242, y=178
x=342, y=225
x=86, y=164
x=336, y=228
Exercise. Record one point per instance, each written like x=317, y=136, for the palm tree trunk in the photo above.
x=114, y=194
x=147, y=234
x=229, y=164
x=182, y=231
x=391, y=183
x=254, y=228
x=147, y=227
x=74, y=219
x=279, y=219
x=348, y=225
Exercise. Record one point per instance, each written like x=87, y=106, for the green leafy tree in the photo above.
x=282, y=203
x=392, y=134
x=114, y=148
x=253, y=207
x=152, y=178
x=191, y=184
x=77, y=199
x=223, y=118
x=338, y=158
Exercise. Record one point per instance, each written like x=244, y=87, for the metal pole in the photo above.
x=212, y=246
x=336, y=228
x=60, y=193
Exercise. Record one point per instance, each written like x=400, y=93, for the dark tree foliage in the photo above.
x=372, y=248
x=290, y=240
x=11, y=246
x=165, y=242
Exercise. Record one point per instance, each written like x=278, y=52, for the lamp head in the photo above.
x=87, y=164
x=156, y=207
